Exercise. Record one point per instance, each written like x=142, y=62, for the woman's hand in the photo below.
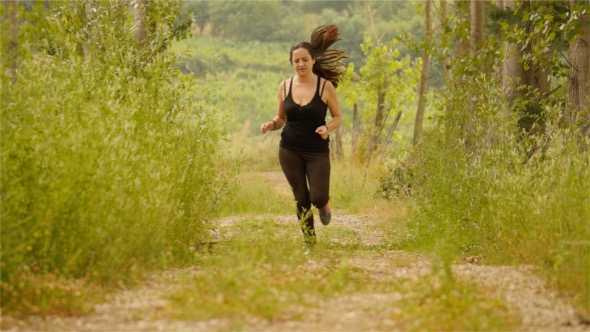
x=323, y=131
x=267, y=126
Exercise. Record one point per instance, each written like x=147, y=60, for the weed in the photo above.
x=490, y=203
x=262, y=274
x=99, y=177
x=30, y=292
x=436, y=304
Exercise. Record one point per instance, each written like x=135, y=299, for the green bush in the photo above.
x=541, y=215
x=397, y=181
x=107, y=167
x=488, y=202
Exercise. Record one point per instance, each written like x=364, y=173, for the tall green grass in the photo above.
x=259, y=193
x=353, y=186
x=263, y=273
x=488, y=201
x=442, y=305
x=542, y=215
x=108, y=169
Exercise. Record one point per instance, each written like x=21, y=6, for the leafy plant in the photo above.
x=259, y=275
x=106, y=164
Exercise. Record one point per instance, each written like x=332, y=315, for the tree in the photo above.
x=512, y=69
x=458, y=30
x=381, y=85
x=577, y=113
x=424, y=76
x=384, y=86
x=199, y=12
x=245, y=20
x=445, y=56
x=534, y=35
x=531, y=47
x=477, y=20
x=477, y=28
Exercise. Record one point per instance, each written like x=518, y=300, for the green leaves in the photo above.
x=108, y=169
x=383, y=72
x=544, y=31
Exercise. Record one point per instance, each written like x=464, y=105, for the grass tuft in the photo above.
x=261, y=274
x=443, y=305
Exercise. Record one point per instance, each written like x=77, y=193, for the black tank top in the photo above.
x=302, y=121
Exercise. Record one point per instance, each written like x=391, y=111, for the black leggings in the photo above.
x=301, y=168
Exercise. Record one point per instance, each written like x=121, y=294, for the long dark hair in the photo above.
x=328, y=62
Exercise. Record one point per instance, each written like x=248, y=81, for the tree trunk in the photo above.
x=379, y=117
x=531, y=120
x=577, y=108
x=446, y=58
x=140, y=22
x=392, y=128
x=536, y=77
x=336, y=144
x=380, y=109
x=512, y=68
x=11, y=38
x=424, y=77
x=475, y=38
x=355, y=127
x=457, y=106
x=477, y=26
x=446, y=66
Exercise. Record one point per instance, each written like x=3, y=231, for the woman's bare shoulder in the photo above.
x=328, y=87
x=284, y=87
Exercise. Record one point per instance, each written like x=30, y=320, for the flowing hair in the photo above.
x=328, y=62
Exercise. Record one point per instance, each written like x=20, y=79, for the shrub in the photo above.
x=489, y=202
x=108, y=169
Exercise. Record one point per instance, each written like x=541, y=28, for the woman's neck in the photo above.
x=306, y=79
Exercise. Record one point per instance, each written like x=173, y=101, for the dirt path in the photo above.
x=540, y=309
x=143, y=309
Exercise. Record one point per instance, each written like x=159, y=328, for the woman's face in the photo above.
x=302, y=61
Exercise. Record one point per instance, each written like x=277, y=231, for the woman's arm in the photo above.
x=279, y=120
x=331, y=99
